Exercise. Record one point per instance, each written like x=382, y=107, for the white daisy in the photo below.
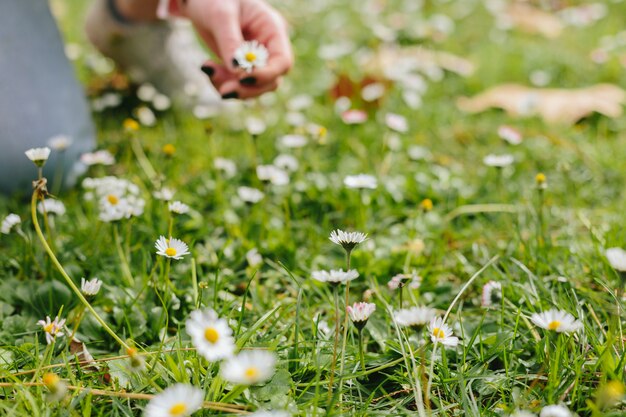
x=227, y=166
x=179, y=400
x=102, y=157
x=354, y=117
x=171, y=248
x=51, y=206
x=293, y=141
x=492, y=293
x=360, y=312
x=286, y=162
x=39, y=156
x=347, y=239
x=164, y=194
x=440, y=332
x=558, y=320
x=361, y=181
x=178, y=208
x=373, y=92
x=396, y=122
x=498, y=161
x=250, y=195
x=416, y=317
x=249, y=367
x=57, y=388
x=272, y=174
x=255, y=126
x=9, y=223
x=616, y=257
x=52, y=328
x=555, y=411
x=251, y=55
x=91, y=287
x=335, y=276
x=60, y=142
x=510, y=134
x=254, y=258
x=145, y=116
x=211, y=336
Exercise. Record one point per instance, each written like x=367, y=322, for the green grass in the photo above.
x=503, y=362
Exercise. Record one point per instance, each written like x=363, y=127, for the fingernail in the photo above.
x=248, y=81
x=235, y=63
x=208, y=70
x=232, y=94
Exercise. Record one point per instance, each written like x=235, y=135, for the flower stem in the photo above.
x=361, y=354
x=57, y=264
x=335, y=345
x=124, y=262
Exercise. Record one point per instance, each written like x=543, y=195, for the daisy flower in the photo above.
x=177, y=207
x=555, y=411
x=440, y=332
x=51, y=206
x=293, y=141
x=541, y=181
x=251, y=55
x=60, y=142
x=171, y=248
x=164, y=194
x=347, y=239
x=498, y=161
x=9, y=223
x=492, y=293
x=615, y=256
x=250, y=367
x=286, y=162
x=254, y=258
x=91, y=287
x=211, y=335
x=416, y=317
x=335, y=276
x=557, y=320
x=227, y=166
x=57, y=388
x=361, y=181
x=510, y=134
x=354, y=117
x=272, y=174
x=38, y=156
x=250, y=195
x=396, y=122
x=52, y=328
x=102, y=157
x=360, y=312
x=255, y=126
x=179, y=400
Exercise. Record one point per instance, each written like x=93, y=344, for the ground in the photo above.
x=544, y=243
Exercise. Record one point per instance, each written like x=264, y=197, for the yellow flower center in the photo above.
x=540, y=178
x=48, y=328
x=169, y=149
x=438, y=333
x=252, y=372
x=178, y=409
x=427, y=204
x=250, y=56
x=211, y=335
x=553, y=325
x=170, y=252
x=131, y=125
x=113, y=200
x=50, y=379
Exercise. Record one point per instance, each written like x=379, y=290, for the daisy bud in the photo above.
x=359, y=313
x=56, y=387
x=541, y=181
x=39, y=156
x=130, y=125
x=610, y=394
x=137, y=362
x=169, y=149
x=426, y=204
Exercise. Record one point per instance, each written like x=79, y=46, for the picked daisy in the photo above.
x=440, y=332
x=415, y=317
x=9, y=222
x=348, y=240
x=556, y=320
x=360, y=313
x=179, y=400
x=91, y=287
x=38, y=156
x=171, y=248
x=211, y=336
x=616, y=258
x=52, y=328
x=249, y=367
x=251, y=55
x=334, y=276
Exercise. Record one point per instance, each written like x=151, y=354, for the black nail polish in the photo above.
x=232, y=94
x=208, y=70
x=248, y=81
x=235, y=63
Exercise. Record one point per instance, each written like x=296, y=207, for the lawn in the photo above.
x=498, y=225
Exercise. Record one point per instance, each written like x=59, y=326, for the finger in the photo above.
x=230, y=90
x=226, y=31
x=217, y=73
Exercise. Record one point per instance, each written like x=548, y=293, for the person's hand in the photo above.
x=224, y=25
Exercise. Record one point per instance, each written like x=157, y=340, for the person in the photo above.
x=40, y=97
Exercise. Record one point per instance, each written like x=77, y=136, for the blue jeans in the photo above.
x=39, y=96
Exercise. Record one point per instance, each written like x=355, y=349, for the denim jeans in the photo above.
x=39, y=96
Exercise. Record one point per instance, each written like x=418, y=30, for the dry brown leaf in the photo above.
x=388, y=57
x=553, y=105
